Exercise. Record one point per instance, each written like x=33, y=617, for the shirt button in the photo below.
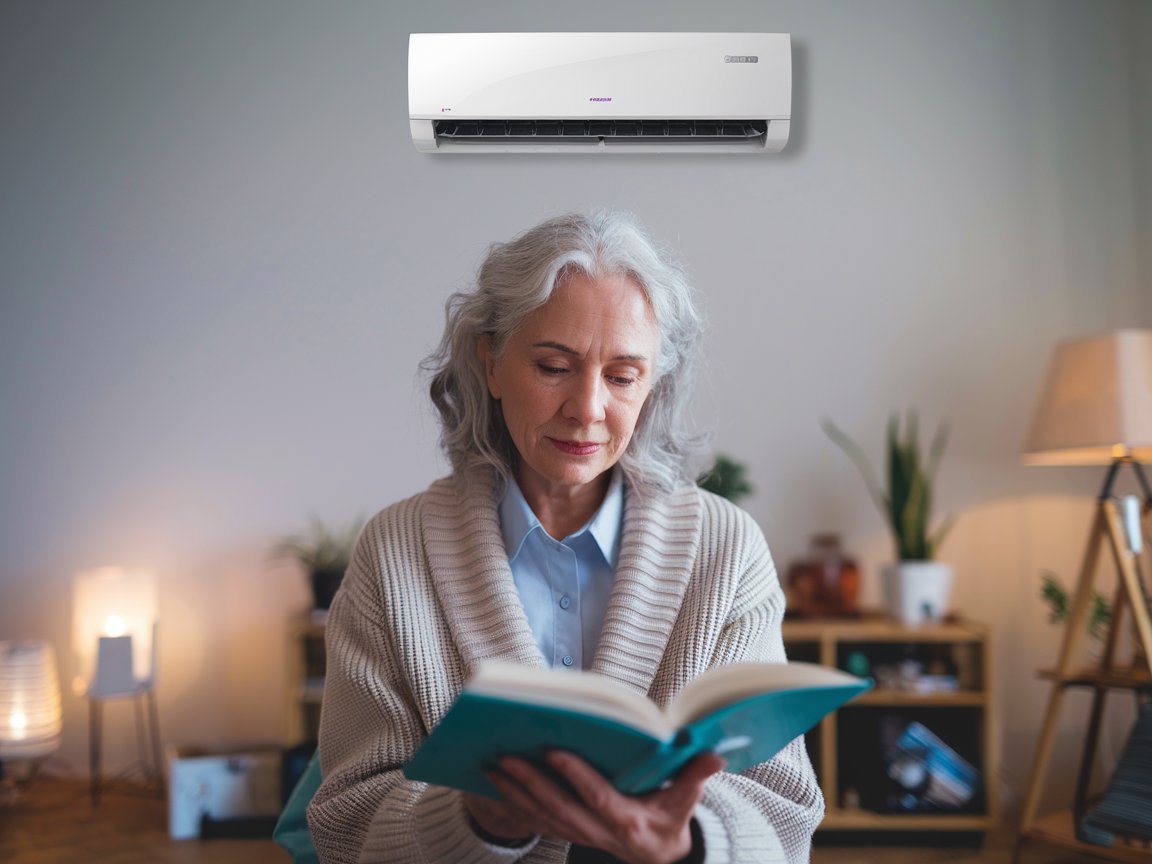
x=567, y=660
x=565, y=602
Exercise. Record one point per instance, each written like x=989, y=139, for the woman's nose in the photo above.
x=585, y=402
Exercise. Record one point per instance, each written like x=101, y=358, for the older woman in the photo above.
x=570, y=533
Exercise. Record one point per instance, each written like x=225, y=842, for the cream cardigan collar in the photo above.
x=469, y=566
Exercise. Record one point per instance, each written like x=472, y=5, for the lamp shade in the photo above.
x=1096, y=405
x=29, y=700
x=113, y=626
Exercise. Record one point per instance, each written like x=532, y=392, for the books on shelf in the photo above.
x=746, y=712
x=930, y=773
x=318, y=617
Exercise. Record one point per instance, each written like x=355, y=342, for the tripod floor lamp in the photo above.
x=1096, y=409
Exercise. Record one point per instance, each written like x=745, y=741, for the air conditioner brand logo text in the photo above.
x=741, y=58
x=599, y=98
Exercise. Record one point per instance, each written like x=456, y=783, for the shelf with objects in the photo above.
x=917, y=753
x=322, y=551
x=307, y=666
x=1116, y=824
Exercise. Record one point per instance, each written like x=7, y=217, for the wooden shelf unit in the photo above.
x=970, y=712
x=1058, y=830
x=306, y=668
x=1107, y=538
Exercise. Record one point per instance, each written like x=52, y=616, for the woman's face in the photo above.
x=572, y=380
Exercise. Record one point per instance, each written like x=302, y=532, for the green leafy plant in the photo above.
x=906, y=503
x=726, y=478
x=321, y=547
x=1054, y=594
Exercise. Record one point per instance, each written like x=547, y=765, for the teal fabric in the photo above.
x=291, y=830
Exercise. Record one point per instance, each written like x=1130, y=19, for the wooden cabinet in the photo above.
x=306, y=668
x=919, y=752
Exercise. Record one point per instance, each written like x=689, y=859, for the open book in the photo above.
x=745, y=711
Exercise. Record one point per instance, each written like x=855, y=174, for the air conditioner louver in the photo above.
x=598, y=131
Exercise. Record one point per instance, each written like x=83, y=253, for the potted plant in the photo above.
x=1058, y=601
x=324, y=552
x=726, y=478
x=916, y=586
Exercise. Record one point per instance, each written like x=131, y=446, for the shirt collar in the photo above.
x=517, y=520
x=605, y=525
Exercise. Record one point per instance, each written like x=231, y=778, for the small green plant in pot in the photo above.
x=324, y=553
x=726, y=478
x=916, y=587
x=1058, y=601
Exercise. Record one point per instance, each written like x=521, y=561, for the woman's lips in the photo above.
x=576, y=448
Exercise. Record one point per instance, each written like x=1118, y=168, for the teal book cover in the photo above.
x=746, y=712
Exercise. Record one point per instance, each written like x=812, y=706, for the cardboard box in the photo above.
x=222, y=784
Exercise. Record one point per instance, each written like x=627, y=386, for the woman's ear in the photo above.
x=484, y=352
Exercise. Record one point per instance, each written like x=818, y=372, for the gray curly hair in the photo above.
x=518, y=277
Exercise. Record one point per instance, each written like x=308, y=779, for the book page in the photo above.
x=577, y=691
x=732, y=683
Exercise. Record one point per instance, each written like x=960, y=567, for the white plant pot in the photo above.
x=916, y=592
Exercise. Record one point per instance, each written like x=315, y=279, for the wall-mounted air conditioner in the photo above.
x=600, y=92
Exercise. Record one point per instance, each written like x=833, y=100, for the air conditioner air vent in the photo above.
x=597, y=131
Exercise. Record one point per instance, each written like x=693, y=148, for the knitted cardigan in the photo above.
x=429, y=594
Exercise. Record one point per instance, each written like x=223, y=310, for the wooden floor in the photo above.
x=53, y=822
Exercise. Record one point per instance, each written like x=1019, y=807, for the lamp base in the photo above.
x=147, y=740
x=12, y=787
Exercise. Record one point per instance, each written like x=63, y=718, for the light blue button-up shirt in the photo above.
x=564, y=584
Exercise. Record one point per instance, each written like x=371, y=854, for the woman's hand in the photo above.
x=647, y=829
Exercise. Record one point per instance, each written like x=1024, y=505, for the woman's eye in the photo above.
x=622, y=380
x=551, y=370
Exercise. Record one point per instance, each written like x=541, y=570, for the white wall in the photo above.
x=1140, y=49
x=221, y=260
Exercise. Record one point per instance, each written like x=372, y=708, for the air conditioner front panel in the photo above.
x=657, y=76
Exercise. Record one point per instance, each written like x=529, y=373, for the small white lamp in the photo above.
x=30, y=721
x=113, y=624
x=114, y=613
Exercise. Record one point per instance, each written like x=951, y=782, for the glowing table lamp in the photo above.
x=113, y=623
x=114, y=615
x=30, y=720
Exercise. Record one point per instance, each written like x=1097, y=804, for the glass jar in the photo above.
x=825, y=583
